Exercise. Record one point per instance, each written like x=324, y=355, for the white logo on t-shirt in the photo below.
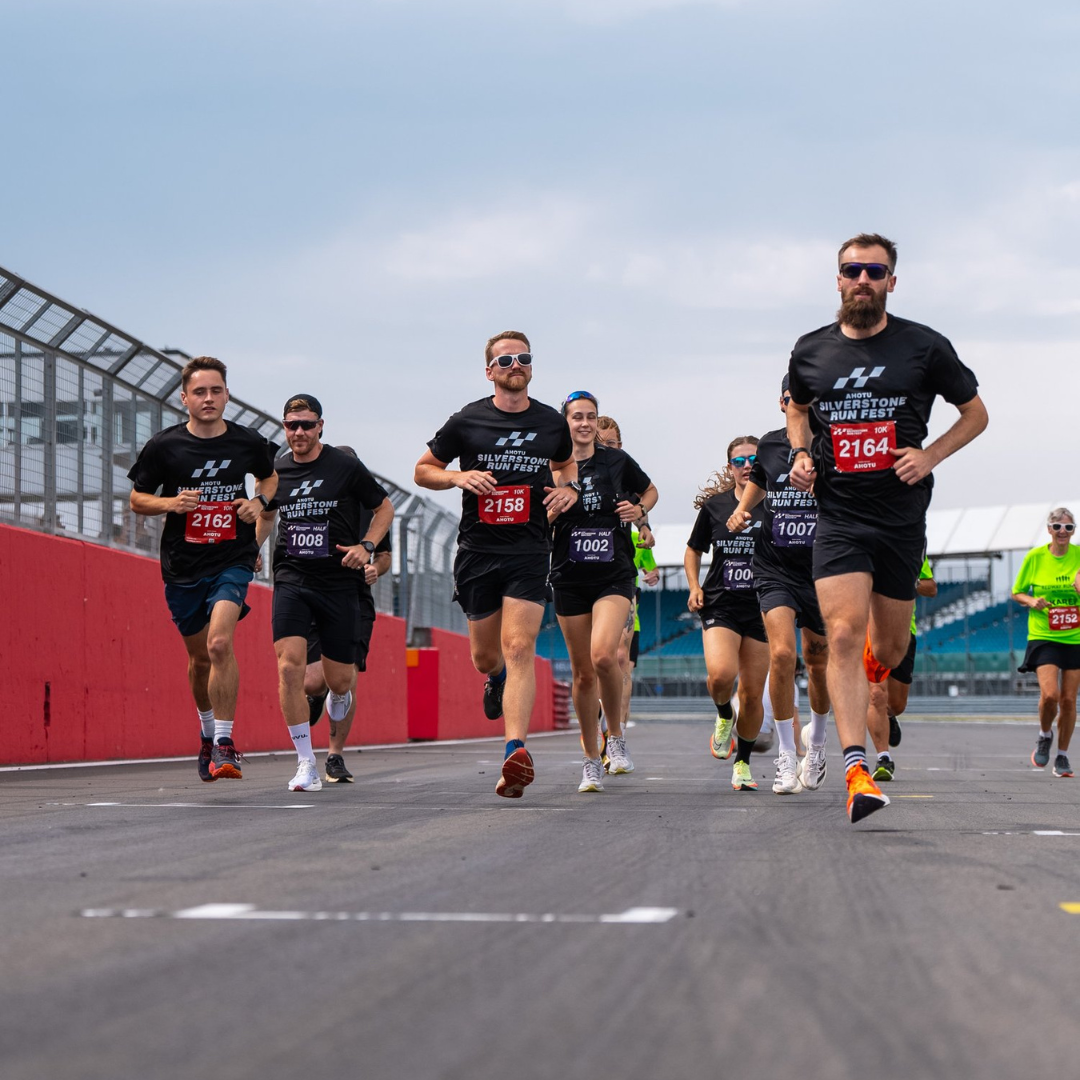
x=516, y=438
x=857, y=378
x=211, y=468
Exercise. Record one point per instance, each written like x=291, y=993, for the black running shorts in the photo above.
x=903, y=671
x=892, y=557
x=367, y=627
x=1040, y=652
x=482, y=580
x=801, y=598
x=579, y=599
x=336, y=615
x=743, y=621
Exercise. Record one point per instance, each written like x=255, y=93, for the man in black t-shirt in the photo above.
x=861, y=394
x=315, y=688
x=517, y=462
x=322, y=494
x=208, y=547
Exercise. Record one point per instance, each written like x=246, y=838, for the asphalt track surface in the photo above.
x=414, y=925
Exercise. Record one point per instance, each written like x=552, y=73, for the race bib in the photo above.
x=210, y=523
x=592, y=545
x=506, y=505
x=307, y=541
x=863, y=447
x=738, y=574
x=1063, y=618
x=794, y=528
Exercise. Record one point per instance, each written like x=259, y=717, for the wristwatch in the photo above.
x=263, y=499
x=368, y=546
x=574, y=486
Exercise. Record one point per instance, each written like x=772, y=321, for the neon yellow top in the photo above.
x=1052, y=576
x=643, y=560
x=925, y=574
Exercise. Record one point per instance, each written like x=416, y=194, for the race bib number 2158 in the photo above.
x=505, y=506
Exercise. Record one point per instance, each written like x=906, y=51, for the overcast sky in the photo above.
x=347, y=199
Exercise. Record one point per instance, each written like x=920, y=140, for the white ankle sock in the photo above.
x=206, y=722
x=818, y=721
x=785, y=733
x=301, y=737
x=222, y=730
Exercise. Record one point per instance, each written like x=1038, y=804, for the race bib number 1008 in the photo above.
x=210, y=523
x=505, y=506
x=863, y=447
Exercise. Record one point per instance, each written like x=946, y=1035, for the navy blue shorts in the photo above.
x=190, y=605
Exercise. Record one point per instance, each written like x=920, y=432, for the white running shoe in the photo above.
x=787, y=780
x=618, y=756
x=812, y=768
x=592, y=775
x=338, y=705
x=306, y=778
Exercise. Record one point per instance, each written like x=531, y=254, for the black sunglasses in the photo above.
x=299, y=425
x=874, y=271
x=507, y=360
x=1057, y=526
x=740, y=461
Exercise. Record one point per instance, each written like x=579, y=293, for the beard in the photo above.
x=513, y=379
x=862, y=313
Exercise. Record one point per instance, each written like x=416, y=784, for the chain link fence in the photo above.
x=79, y=398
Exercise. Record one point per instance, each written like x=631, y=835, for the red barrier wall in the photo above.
x=94, y=669
x=446, y=693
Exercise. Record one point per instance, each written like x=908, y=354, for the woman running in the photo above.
x=1047, y=586
x=732, y=629
x=608, y=434
x=592, y=574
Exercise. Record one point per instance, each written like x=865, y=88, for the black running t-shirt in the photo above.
x=212, y=539
x=590, y=544
x=730, y=577
x=866, y=395
x=320, y=504
x=785, y=544
x=517, y=449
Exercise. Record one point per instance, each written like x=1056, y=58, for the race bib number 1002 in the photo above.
x=210, y=523
x=505, y=505
x=863, y=447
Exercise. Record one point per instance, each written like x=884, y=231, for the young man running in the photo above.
x=861, y=394
x=783, y=565
x=517, y=463
x=317, y=566
x=208, y=546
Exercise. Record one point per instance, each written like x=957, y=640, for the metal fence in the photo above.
x=79, y=398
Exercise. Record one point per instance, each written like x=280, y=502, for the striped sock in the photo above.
x=854, y=755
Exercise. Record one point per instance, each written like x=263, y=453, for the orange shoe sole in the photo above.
x=517, y=774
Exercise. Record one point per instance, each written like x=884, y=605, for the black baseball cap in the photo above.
x=784, y=384
x=302, y=402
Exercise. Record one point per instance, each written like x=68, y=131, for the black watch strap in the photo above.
x=368, y=546
x=263, y=499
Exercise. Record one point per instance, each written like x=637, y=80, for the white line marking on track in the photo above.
x=248, y=912
x=208, y=806
x=1033, y=832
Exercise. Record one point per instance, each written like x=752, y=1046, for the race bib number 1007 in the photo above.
x=505, y=506
x=863, y=447
x=210, y=523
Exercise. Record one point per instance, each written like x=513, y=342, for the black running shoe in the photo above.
x=315, y=707
x=225, y=761
x=895, y=733
x=1040, y=756
x=205, y=753
x=1062, y=766
x=493, y=695
x=336, y=773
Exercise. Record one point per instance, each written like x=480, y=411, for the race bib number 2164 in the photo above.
x=863, y=447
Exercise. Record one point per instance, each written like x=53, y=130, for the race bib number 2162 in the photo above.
x=210, y=523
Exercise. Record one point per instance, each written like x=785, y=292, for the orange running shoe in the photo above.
x=517, y=774
x=864, y=796
x=875, y=671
